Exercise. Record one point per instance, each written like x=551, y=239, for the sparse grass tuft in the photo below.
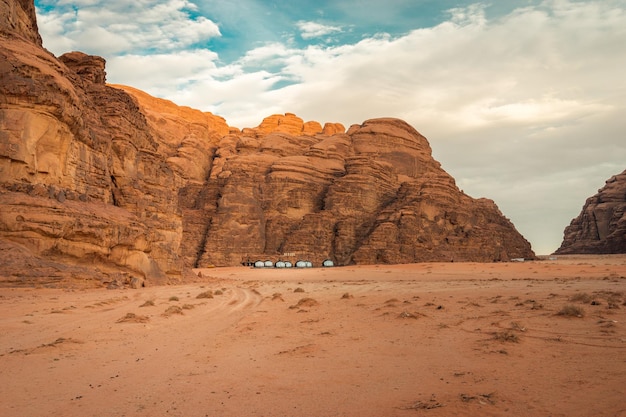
x=571, y=311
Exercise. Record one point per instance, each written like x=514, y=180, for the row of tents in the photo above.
x=287, y=264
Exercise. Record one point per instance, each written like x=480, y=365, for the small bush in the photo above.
x=299, y=290
x=173, y=298
x=205, y=294
x=148, y=303
x=571, y=311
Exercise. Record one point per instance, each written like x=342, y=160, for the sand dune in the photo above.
x=458, y=339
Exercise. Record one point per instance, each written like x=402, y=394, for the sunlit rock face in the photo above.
x=373, y=194
x=83, y=182
x=111, y=184
x=601, y=225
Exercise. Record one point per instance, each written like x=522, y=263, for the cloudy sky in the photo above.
x=523, y=102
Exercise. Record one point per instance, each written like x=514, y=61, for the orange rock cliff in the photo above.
x=118, y=187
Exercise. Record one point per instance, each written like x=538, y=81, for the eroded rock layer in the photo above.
x=110, y=184
x=601, y=225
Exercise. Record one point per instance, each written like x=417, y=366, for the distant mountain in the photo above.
x=601, y=225
x=107, y=183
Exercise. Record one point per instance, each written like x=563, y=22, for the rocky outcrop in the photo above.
x=113, y=185
x=600, y=228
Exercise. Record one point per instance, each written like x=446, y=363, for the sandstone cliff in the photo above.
x=290, y=189
x=601, y=225
x=107, y=183
x=81, y=179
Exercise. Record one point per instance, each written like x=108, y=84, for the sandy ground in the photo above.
x=456, y=339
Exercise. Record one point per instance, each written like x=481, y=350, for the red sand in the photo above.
x=457, y=339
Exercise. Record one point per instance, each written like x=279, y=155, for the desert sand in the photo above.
x=540, y=338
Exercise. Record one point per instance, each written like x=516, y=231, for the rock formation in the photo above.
x=81, y=179
x=601, y=225
x=108, y=183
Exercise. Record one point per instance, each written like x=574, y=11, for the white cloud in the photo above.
x=109, y=28
x=309, y=30
x=526, y=109
x=163, y=74
x=266, y=54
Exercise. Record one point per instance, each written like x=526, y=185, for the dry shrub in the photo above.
x=347, y=296
x=188, y=306
x=173, y=310
x=277, y=296
x=517, y=326
x=149, y=303
x=408, y=315
x=133, y=318
x=506, y=336
x=299, y=290
x=305, y=302
x=218, y=292
x=205, y=294
x=174, y=298
x=481, y=398
x=571, y=311
x=422, y=405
